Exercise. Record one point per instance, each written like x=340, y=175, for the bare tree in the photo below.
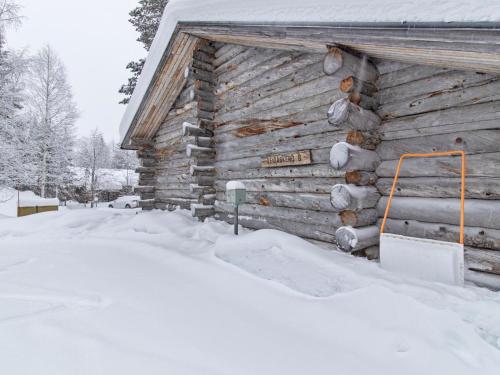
x=93, y=154
x=53, y=114
x=9, y=14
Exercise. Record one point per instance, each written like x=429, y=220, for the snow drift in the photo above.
x=110, y=292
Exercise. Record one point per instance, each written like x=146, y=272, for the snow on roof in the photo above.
x=297, y=11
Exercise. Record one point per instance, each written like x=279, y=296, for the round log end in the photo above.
x=339, y=155
x=355, y=137
x=333, y=61
x=346, y=239
x=349, y=218
x=347, y=85
x=340, y=197
x=338, y=112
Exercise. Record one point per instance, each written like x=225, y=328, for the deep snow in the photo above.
x=124, y=292
x=300, y=11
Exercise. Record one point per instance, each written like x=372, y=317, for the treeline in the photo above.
x=38, y=142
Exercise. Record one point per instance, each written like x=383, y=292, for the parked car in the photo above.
x=129, y=201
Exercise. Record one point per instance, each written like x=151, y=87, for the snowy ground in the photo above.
x=120, y=292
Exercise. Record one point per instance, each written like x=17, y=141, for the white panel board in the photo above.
x=423, y=258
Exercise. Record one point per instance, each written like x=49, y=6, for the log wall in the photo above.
x=274, y=102
x=427, y=109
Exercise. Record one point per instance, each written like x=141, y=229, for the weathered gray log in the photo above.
x=320, y=170
x=233, y=90
x=478, y=213
x=307, y=201
x=449, y=80
x=286, y=185
x=487, y=92
x=245, y=148
x=352, y=197
x=472, y=142
x=145, y=170
x=366, y=140
x=183, y=203
x=201, y=190
x=202, y=211
x=295, y=71
x=161, y=194
x=247, y=60
x=353, y=84
x=197, y=170
x=468, y=118
x=350, y=239
x=226, y=53
x=360, y=178
x=317, y=232
x=482, y=260
x=439, y=187
x=386, y=67
x=343, y=113
x=404, y=74
x=197, y=151
x=483, y=279
x=344, y=156
x=485, y=238
x=321, y=87
x=356, y=219
x=186, y=97
x=480, y=165
x=359, y=67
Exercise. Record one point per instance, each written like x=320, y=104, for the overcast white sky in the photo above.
x=95, y=41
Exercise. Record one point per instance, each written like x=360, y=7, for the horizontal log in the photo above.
x=480, y=165
x=286, y=185
x=437, y=187
x=144, y=189
x=197, y=151
x=449, y=80
x=286, y=73
x=320, y=170
x=202, y=211
x=200, y=190
x=485, y=238
x=385, y=67
x=478, y=213
x=362, y=218
x=467, y=118
x=344, y=156
x=360, y=178
x=405, y=74
x=196, y=170
x=226, y=53
x=359, y=67
x=244, y=147
x=483, y=279
x=308, y=201
x=176, y=202
x=345, y=114
x=317, y=232
x=145, y=170
x=352, y=197
x=472, y=142
x=168, y=194
x=486, y=92
x=350, y=239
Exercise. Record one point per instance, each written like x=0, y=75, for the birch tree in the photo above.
x=93, y=155
x=52, y=114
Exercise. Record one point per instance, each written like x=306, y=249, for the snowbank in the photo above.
x=9, y=201
x=329, y=11
x=112, y=292
x=107, y=179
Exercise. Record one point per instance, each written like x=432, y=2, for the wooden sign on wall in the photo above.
x=286, y=159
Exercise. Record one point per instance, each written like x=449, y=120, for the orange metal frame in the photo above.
x=434, y=154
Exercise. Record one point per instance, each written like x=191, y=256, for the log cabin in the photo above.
x=312, y=116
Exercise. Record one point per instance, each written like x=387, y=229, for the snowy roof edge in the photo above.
x=161, y=45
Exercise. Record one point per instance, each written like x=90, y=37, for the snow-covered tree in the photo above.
x=15, y=143
x=146, y=20
x=52, y=114
x=125, y=159
x=93, y=154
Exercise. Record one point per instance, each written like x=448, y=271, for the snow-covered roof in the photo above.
x=300, y=11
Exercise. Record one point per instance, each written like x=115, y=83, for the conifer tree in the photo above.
x=146, y=20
